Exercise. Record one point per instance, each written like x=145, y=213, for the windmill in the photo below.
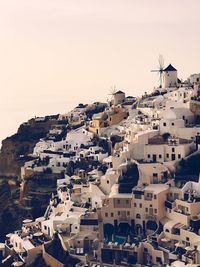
x=112, y=92
x=160, y=69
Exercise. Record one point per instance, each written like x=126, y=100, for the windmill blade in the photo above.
x=161, y=62
x=160, y=69
x=112, y=90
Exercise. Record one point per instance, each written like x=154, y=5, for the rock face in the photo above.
x=36, y=189
x=16, y=148
x=35, y=192
x=9, y=216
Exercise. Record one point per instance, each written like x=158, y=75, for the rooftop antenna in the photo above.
x=160, y=69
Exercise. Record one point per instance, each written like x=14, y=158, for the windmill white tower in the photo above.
x=117, y=97
x=170, y=76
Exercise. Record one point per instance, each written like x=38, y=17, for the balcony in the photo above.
x=148, y=198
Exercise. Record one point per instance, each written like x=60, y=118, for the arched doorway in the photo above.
x=124, y=229
x=108, y=230
x=138, y=230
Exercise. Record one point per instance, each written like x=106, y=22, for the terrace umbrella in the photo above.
x=9, y=235
x=27, y=221
x=179, y=244
x=38, y=234
x=189, y=248
x=18, y=263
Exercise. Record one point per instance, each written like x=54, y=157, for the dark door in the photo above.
x=154, y=158
x=173, y=156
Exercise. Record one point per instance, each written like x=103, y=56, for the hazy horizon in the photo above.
x=57, y=53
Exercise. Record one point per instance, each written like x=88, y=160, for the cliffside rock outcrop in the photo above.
x=15, y=149
x=37, y=188
x=36, y=191
x=9, y=216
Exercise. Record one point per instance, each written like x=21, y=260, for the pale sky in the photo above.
x=56, y=53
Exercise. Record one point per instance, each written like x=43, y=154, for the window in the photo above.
x=118, y=213
x=138, y=216
x=173, y=149
x=172, y=123
x=149, y=195
x=140, y=205
x=128, y=213
x=112, y=214
x=137, y=196
x=176, y=195
x=167, y=155
x=179, y=156
x=107, y=181
x=155, y=210
x=164, y=124
x=154, y=196
x=135, y=205
x=127, y=201
x=148, y=155
x=146, y=209
x=187, y=239
x=158, y=259
x=160, y=156
x=45, y=227
x=118, y=201
x=155, y=175
x=106, y=214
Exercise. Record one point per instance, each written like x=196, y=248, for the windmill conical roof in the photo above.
x=170, y=68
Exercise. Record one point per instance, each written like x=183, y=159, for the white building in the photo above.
x=194, y=78
x=170, y=77
x=118, y=98
x=159, y=150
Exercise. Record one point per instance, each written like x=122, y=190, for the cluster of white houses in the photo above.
x=133, y=213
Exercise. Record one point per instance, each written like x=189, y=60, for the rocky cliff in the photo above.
x=36, y=189
x=35, y=193
x=9, y=216
x=15, y=149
